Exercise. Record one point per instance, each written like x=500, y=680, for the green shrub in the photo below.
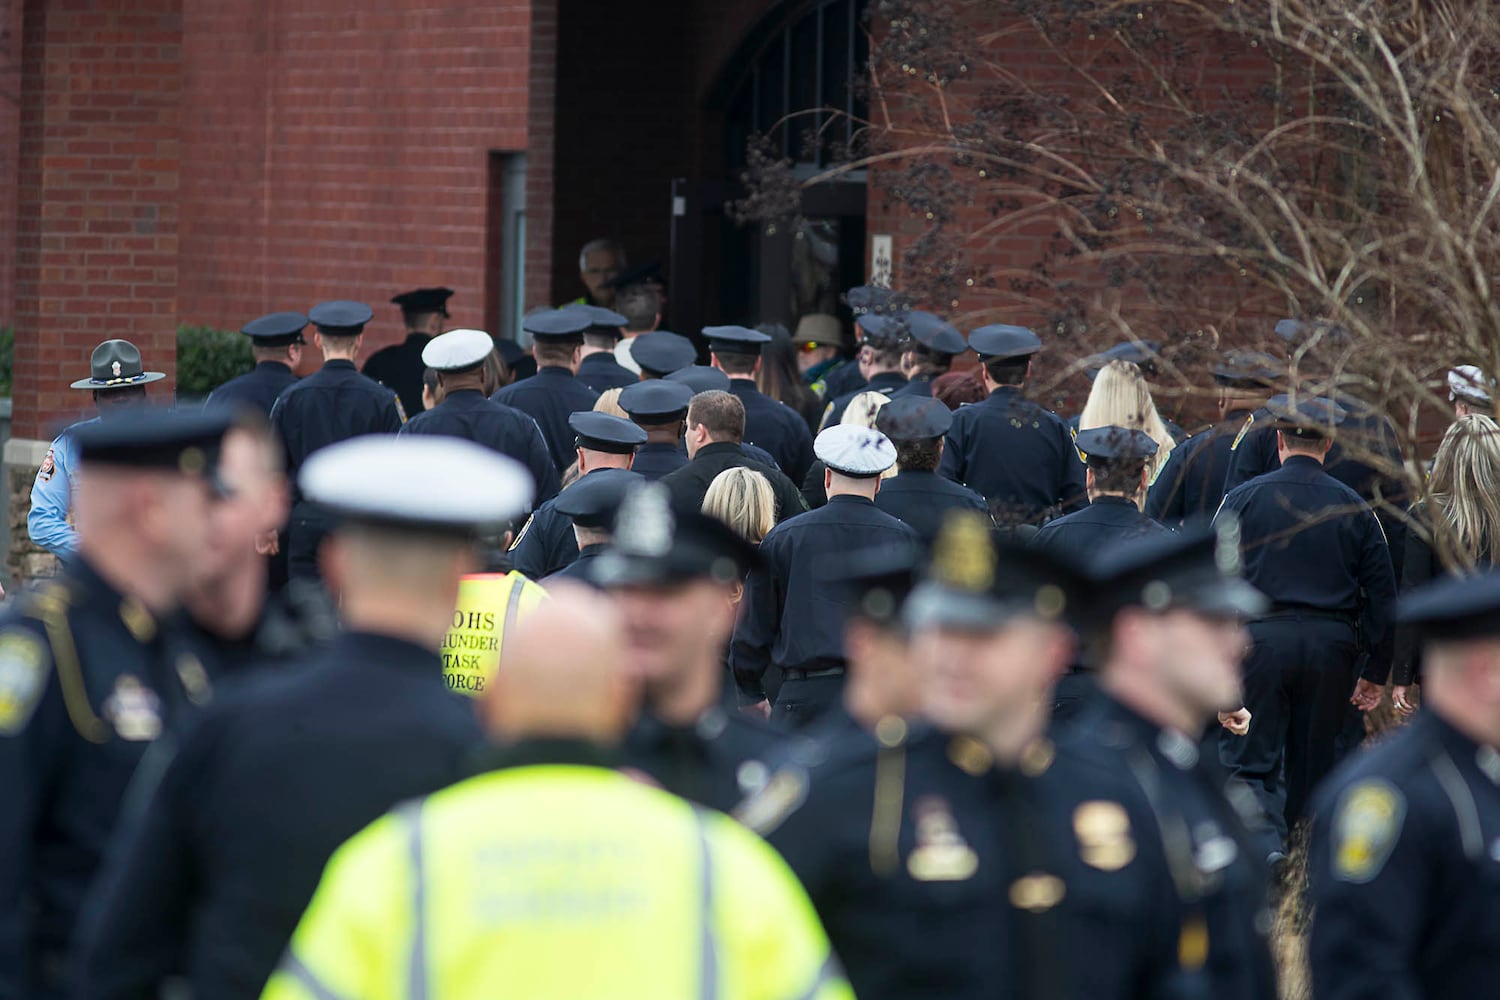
x=207, y=358
x=7, y=358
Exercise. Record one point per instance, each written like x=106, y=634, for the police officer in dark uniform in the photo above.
x=789, y=620
x=554, y=393
x=1017, y=455
x=769, y=423
x=1191, y=483
x=399, y=366
x=702, y=378
x=212, y=878
x=715, y=422
x=673, y=573
x=276, y=342
x=917, y=495
x=597, y=367
x=932, y=344
x=661, y=353
x=1403, y=871
x=863, y=300
x=546, y=543
x=659, y=407
x=1116, y=458
x=333, y=404
x=1314, y=548
x=92, y=671
x=880, y=354
x=592, y=503
x=459, y=357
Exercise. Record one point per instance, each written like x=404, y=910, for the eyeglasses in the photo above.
x=807, y=347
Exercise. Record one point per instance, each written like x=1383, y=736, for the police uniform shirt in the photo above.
x=787, y=618
x=578, y=568
x=601, y=371
x=216, y=874
x=885, y=383
x=918, y=385
x=468, y=414
x=399, y=368
x=1084, y=535
x=776, y=427
x=1191, y=483
x=88, y=679
x=842, y=380
x=1404, y=875
x=256, y=389
x=923, y=499
x=333, y=404
x=657, y=459
x=715, y=762
x=689, y=484
x=1017, y=455
x=545, y=544
x=52, y=495
x=550, y=397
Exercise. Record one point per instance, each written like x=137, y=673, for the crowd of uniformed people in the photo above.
x=597, y=672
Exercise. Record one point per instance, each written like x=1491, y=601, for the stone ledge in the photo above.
x=24, y=451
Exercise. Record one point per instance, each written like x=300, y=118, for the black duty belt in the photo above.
x=807, y=675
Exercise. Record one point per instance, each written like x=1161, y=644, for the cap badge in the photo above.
x=115, y=368
x=941, y=855
x=645, y=522
x=963, y=557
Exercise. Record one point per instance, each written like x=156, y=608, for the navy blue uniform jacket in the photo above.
x=1017, y=455
x=467, y=414
x=550, y=397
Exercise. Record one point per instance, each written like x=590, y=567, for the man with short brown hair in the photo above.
x=715, y=427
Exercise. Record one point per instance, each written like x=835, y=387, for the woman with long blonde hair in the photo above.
x=743, y=499
x=1121, y=398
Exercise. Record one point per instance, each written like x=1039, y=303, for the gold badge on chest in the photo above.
x=941, y=854
x=134, y=710
x=1103, y=832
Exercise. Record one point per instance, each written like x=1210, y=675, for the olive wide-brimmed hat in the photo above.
x=116, y=364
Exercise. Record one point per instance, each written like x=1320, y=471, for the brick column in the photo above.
x=541, y=148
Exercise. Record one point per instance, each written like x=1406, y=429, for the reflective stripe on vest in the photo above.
x=410, y=815
x=708, y=969
x=292, y=966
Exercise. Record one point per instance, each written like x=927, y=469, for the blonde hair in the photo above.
x=1121, y=398
x=1465, y=488
x=743, y=499
x=861, y=412
x=609, y=402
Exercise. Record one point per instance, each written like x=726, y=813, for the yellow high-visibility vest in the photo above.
x=557, y=881
x=488, y=605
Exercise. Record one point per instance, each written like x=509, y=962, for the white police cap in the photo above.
x=424, y=482
x=1468, y=383
x=457, y=349
x=855, y=451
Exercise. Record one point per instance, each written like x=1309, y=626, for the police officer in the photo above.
x=932, y=344
x=554, y=393
x=211, y=880
x=769, y=423
x=863, y=300
x=459, y=357
x=1469, y=391
x=1116, y=458
x=400, y=366
x=1191, y=483
x=91, y=672
x=788, y=620
x=659, y=407
x=1015, y=454
x=118, y=383
x=661, y=353
x=551, y=874
x=592, y=503
x=1402, y=867
x=276, y=343
x=715, y=425
x=702, y=378
x=917, y=495
x=1314, y=548
x=880, y=355
x=333, y=404
x=546, y=543
x=597, y=367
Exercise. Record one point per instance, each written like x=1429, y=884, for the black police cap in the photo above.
x=182, y=441
x=606, y=319
x=1197, y=568
x=935, y=333
x=593, y=500
x=340, y=318
x=424, y=300
x=877, y=581
x=913, y=418
x=276, y=329
x=662, y=352
x=1247, y=369
x=606, y=433
x=659, y=544
x=734, y=339
x=1004, y=341
x=1112, y=444
x=885, y=331
x=1306, y=416
x=656, y=402
x=1454, y=608
x=701, y=378
x=1144, y=354
x=556, y=324
x=641, y=274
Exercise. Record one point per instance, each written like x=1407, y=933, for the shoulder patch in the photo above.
x=48, y=469
x=1244, y=429
x=522, y=533
x=23, y=677
x=1366, y=825
x=777, y=799
x=400, y=410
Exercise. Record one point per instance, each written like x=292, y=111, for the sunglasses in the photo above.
x=807, y=347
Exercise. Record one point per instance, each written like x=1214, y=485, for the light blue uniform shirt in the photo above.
x=52, y=496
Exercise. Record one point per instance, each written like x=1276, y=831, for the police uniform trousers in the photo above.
x=806, y=696
x=304, y=535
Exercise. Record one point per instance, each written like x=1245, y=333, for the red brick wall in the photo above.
x=10, y=143
x=541, y=152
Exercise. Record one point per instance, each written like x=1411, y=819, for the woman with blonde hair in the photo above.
x=1121, y=398
x=1455, y=529
x=743, y=499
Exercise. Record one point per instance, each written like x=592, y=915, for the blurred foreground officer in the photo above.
x=791, y=621
x=553, y=874
x=276, y=343
x=1116, y=477
x=591, y=504
x=459, y=357
x=597, y=367
x=118, y=383
x=554, y=393
x=659, y=408
x=1011, y=451
x=1403, y=869
x=675, y=575
x=90, y=675
x=769, y=423
x=917, y=495
x=399, y=366
x=715, y=427
x=333, y=404
x=1172, y=607
x=211, y=880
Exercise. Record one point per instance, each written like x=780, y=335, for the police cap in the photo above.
x=1001, y=340
x=855, y=451
x=1467, y=382
x=913, y=418
x=340, y=318
x=183, y=441
x=935, y=333
x=701, y=378
x=1197, y=568
x=606, y=433
x=656, y=402
x=1144, y=354
x=457, y=350
x=734, y=339
x=869, y=299
x=1306, y=416
x=116, y=364
x=1111, y=444
x=424, y=300
x=276, y=329
x=877, y=581
x=656, y=545
x=662, y=352
x=443, y=485
x=558, y=324
x=1454, y=608
x=641, y=274
x=1297, y=332
x=1247, y=370
x=606, y=319
x=510, y=351
x=885, y=331
x=592, y=501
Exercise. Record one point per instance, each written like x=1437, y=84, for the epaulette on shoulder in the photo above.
x=1244, y=429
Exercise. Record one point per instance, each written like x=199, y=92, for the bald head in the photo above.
x=561, y=675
